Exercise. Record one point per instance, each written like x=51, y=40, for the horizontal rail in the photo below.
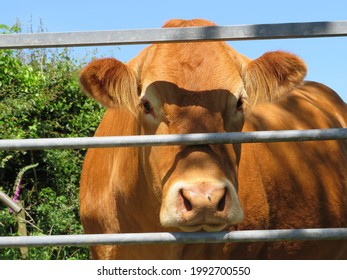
x=166, y=35
x=176, y=237
x=175, y=139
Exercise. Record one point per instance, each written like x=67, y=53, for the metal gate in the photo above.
x=167, y=35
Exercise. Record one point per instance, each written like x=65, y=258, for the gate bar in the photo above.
x=9, y=202
x=176, y=237
x=167, y=35
x=175, y=139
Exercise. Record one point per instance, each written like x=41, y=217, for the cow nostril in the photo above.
x=188, y=206
x=221, y=203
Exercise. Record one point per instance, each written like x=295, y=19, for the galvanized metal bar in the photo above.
x=9, y=202
x=175, y=139
x=178, y=237
x=167, y=35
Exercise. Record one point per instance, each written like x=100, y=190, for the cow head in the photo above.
x=192, y=88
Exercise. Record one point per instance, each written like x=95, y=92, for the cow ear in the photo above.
x=111, y=83
x=272, y=74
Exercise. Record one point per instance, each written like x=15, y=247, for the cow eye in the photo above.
x=239, y=104
x=147, y=107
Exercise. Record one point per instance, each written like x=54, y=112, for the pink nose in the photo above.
x=203, y=204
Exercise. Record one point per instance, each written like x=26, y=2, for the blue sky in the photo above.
x=326, y=57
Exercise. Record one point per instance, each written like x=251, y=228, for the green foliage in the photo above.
x=40, y=98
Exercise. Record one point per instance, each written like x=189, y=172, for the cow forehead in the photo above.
x=170, y=93
x=176, y=101
x=196, y=67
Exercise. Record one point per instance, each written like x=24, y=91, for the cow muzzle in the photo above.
x=194, y=206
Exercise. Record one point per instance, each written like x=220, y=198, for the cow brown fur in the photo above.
x=203, y=87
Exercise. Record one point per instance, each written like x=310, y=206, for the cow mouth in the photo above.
x=204, y=227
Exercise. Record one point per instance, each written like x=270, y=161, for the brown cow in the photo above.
x=208, y=87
